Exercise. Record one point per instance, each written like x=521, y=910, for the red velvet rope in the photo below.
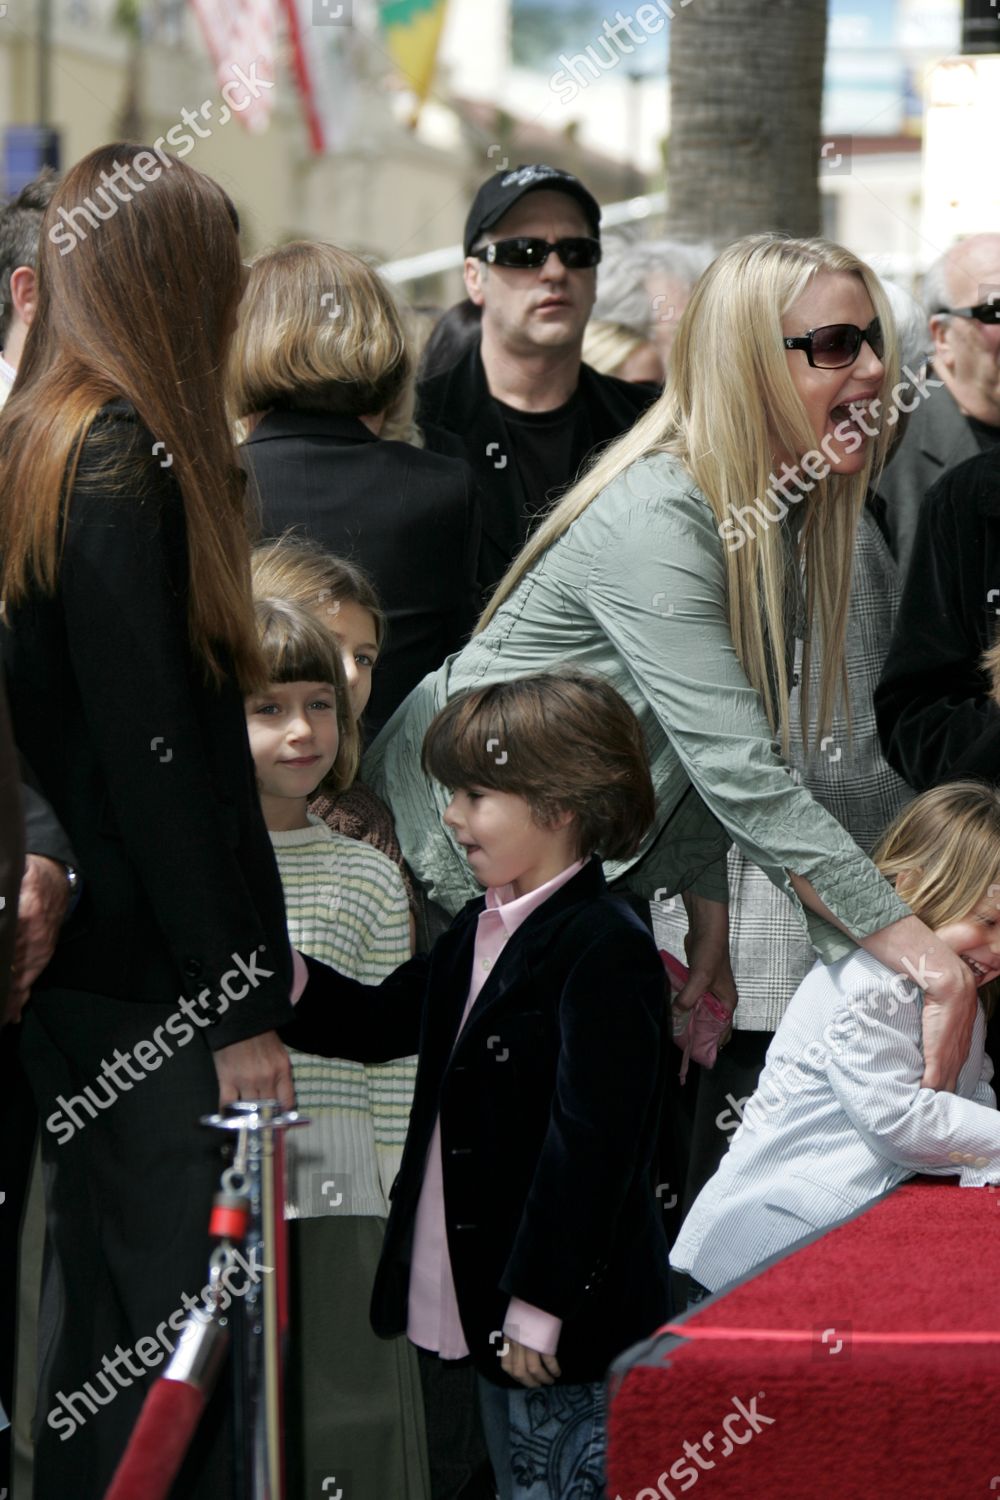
x=808, y=1336
x=170, y=1414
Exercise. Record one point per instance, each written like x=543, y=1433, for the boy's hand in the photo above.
x=527, y=1366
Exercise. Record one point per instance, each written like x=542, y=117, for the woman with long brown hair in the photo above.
x=129, y=644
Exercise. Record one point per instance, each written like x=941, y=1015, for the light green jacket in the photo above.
x=635, y=589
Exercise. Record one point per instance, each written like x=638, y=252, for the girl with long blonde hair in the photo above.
x=842, y=1083
x=673, y=566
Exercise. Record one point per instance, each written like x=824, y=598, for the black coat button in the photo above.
x=192, y=968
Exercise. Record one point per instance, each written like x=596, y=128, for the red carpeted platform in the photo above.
x=865, y=1366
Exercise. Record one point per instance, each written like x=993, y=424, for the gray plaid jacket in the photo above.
x=850, y=777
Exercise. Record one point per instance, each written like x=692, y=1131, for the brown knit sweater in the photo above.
x=359, y=814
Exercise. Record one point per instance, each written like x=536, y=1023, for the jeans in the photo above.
x=548, y=1443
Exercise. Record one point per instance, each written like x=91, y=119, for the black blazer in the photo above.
x=549, y=1103
x=42, y=832
x=458, y=414
x=408, y=517
x=11, y=847
x=146, y=765
x=935, y=717
x=937, y=438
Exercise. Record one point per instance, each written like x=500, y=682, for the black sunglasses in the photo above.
x=838, y=344
x=527, y=253
x=985, y=312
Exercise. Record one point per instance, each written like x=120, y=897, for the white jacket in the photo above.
x=837, y=1119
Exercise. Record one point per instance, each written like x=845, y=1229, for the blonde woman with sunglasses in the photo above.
x=672, y=567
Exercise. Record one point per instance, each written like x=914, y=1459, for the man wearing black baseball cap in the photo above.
x=521, y=406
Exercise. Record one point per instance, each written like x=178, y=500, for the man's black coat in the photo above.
x=937, y=438
x=145, y=763
x=549, y=1103
x=935, y=717
x=408, y=517
x=458, y=415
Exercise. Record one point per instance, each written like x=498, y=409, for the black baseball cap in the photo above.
x=501, y=191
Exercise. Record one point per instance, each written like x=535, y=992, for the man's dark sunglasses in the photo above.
x=527, y=253
x=837, y=345
x=985, y=312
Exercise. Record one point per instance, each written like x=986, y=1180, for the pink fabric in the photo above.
x=433, y=1321
x=532, y=1327
x=300, y=976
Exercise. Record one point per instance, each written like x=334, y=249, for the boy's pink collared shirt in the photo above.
x=433, y=1321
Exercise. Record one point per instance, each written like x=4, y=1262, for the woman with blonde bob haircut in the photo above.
x=322, y=375
x=770, y=429
x=321, y=327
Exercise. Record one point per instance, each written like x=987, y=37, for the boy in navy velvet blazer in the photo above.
x=524, y=1227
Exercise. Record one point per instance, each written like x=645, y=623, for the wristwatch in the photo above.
x=74, y=883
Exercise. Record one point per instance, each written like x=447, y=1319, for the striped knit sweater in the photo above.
x=347, y=906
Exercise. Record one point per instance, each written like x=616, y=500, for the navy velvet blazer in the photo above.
x=549, y=1103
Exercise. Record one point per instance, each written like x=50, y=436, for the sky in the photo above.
x=874, y=51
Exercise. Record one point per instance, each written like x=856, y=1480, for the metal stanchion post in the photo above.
x=260, y=1320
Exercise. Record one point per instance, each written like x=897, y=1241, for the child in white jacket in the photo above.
x=839, y=1115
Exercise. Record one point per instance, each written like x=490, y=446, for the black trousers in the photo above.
x=456, y=1445
x=17, y=1144
x=128, y=1188
x=721, y=1094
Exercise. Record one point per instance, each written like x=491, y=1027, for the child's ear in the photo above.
x=561, y=818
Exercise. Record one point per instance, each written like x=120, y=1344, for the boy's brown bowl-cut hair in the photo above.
x=564, y=741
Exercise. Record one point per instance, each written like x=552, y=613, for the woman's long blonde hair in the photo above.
x=728, y=407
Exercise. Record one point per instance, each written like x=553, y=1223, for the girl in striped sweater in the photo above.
x=355, y=1404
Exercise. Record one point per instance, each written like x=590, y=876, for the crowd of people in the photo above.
x=432, y=670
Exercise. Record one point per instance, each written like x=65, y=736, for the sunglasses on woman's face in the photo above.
x=525, y=252
x=836, y=345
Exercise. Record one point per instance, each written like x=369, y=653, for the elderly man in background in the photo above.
x=958, y=412
x=645, y=285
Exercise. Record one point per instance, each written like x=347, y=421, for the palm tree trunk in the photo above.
x=746, y=90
